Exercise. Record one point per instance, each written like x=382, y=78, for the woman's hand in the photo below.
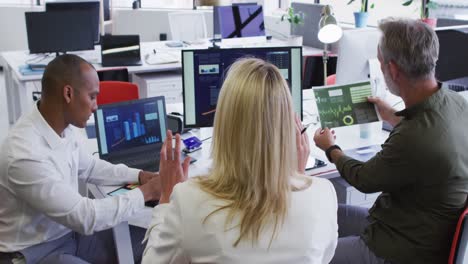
x=302, y=145
x=171, y=171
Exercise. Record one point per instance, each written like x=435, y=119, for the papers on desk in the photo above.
x=27, y=70
x=161, y=58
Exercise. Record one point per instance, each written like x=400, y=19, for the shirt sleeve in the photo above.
x=387, y=171
x=94, y=170
x=43, y=188
x=165, y=234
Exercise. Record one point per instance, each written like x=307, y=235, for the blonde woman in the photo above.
x=256, y=205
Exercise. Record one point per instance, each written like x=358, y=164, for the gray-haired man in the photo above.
x=422, y=170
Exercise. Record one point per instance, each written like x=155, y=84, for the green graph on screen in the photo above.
x=345, y=105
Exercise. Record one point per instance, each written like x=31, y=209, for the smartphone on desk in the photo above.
x=127, y=188
x=314, y=163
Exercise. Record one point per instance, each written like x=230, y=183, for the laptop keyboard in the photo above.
x=147, y=163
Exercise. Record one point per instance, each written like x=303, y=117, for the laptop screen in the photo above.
x=130, y=126
x=120, y=50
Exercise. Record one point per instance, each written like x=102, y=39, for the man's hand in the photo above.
x=387, y=113
x=171, y=171
x=146, y=176
x=302, y=145
x=324, y=138
x=151, y=189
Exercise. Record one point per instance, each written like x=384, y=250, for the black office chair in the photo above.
x=313, y=70
x=114, y=74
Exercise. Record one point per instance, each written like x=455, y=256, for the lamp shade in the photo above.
x=329, y=31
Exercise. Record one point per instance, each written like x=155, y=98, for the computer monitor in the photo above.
x=241, y=21
x=355, y=49
x=453, y=58
x=59, y=31
x=309, y=29
x=204, y=72
x=216, y=30
x=130, y=127
x=90, y=6
x=120, y=50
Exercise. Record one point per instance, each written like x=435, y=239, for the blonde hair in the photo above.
x=254, y=149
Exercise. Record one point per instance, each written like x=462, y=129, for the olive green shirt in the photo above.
x=422, y=172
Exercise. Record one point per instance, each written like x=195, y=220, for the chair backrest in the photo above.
x=313, y=70
x=188, y=26
x=459, y=249
x=114, y=74
x=113, y=92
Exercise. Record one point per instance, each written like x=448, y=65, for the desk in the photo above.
x=19, y=88
x=347, y=138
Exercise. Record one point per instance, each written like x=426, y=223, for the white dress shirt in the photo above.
x=39, y=173
x=177, y=233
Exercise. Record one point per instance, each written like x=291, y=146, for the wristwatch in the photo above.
x=329, y=150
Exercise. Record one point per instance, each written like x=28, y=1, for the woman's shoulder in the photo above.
x=190, y=193
x=314, y=187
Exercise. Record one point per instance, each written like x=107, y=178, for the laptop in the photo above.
x=120, y=50
x=132, y=132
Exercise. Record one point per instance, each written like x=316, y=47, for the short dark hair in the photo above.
x=64, y=69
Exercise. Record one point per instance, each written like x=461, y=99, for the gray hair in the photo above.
x=410, y=44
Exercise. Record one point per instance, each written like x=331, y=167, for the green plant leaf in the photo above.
x=407, y=3
x=372, y=6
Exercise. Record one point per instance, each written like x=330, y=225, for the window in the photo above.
x=383, y=9
x=17, y=2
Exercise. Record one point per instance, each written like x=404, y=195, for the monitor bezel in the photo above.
x=247, y=54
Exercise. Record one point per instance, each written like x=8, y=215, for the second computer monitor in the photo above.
x=355, y=49
x=309, y=29
x=241, y=21
x=452, y=63
x=58, y=31
x=91, y=7
x=204, y=72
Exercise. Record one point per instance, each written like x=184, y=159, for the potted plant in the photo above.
x=294, y=19
x=361, y=17
x=424, y=12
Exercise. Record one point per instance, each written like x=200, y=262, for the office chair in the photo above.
x=459, y=249
x=114, y=74
x=114, y=91
x=188, y=26
x=313, y=70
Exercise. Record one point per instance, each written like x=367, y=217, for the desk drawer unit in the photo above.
x=167, y=84
x=347, y=194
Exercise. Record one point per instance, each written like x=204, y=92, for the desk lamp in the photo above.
x=329, y=32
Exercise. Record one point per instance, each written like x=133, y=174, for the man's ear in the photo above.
x=68, y=93
x=394, y=71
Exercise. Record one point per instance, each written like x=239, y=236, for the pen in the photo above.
x=304, y=129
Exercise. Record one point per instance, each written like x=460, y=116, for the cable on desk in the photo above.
x=205, y=139
x=37, y=58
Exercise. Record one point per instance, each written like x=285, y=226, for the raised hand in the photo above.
x=171, y=171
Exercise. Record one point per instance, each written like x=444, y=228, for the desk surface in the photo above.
x=15, y=59
x=346, y=137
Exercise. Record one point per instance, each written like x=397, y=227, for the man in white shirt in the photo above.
x=43, y=218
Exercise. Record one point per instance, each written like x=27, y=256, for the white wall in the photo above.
x=13, y=27
x=149, y=23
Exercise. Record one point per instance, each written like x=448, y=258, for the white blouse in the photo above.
x=177, y=233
